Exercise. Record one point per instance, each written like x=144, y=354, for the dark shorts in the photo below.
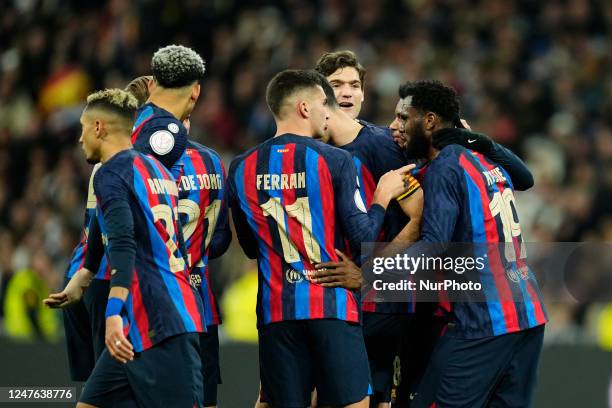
x=167, y=375
x=415, y=352
x=496, y=371
x=211, y=371
x=297, y=356
x=84, y=325
x=383, y=333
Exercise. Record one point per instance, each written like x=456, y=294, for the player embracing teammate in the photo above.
x=138, y=281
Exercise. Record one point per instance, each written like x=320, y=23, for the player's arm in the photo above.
x=81, y=279
x=443, y=197
x=519, y=173
x=119, y=222
x=358, y=224
x=243, y=230
x=412, y=206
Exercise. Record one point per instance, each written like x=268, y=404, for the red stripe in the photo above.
x=537, y=305
x=327, y=204
x=136, y=131
x=199, y=235
x=294, y=228
x=140, y=314
x=492, y=238
x=501, y=186
x=188, y=295
x=368, y=185
x=276, y=274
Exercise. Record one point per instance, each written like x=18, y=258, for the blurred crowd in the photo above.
x=535, y=76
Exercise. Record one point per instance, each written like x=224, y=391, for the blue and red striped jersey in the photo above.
x=77, y=259
x=161, y=303
x=470, y=199
x=204, y=216
x=294, y=200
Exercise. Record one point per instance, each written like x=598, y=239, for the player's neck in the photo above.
x=346, y=128
x=174, y=104
x=289, y=126
x=433, y=153
x=112, y=147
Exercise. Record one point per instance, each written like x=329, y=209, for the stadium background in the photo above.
x=535, y=76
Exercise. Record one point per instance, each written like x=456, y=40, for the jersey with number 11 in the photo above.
x=294, y=200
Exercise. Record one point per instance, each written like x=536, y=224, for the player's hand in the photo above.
x=344, y=274
x=392, y=184
x=118, y=346
x=72, y=293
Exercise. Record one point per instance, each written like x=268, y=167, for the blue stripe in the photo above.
x=101, y=274
x=218, y=170
x=316, y=209
x=144, y=115
x=208, y=316
x=496, y=314
x=263, y=261
x=315, y=202
x=529, y=307
x=76, y=260
x=133, y=333
x=159, y=248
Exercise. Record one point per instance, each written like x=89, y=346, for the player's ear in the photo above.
x=150, y=85
x=430, y=120
x=195, y=92
x=303, y=109
x=100, y=129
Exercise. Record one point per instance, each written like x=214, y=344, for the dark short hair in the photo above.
x=176, y=66
x=330, y=62
x=116, y=101
x=329, y=93
x=288, y=82
x=139, y=87
x=433, y=96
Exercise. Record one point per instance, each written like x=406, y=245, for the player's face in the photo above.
x=348, y=90
x=319, y=114
x=417, y=141
x=397, y=126
x=90, y=143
